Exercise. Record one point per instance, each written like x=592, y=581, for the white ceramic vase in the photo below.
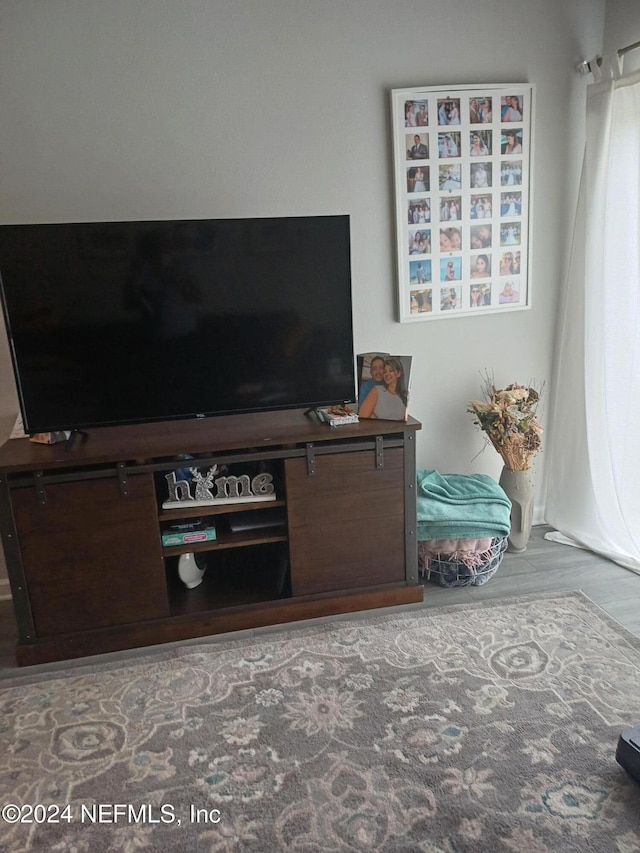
x=518, y=486
x=189, y=572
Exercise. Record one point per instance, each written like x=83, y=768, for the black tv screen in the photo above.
x=125, y=322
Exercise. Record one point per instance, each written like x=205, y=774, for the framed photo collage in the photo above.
x=462, y=180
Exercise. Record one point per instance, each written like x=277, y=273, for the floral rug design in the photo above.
x=483, y=728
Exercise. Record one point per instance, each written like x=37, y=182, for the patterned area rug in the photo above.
x=486, y=728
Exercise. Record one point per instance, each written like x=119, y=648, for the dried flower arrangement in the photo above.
x=508, y=418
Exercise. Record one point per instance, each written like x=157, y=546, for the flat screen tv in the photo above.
x=128, y=322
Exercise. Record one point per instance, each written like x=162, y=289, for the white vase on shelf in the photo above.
x=518, y=486
x=189, y=571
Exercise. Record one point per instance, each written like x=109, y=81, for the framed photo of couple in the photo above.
x=384, y=385
x=462, y=170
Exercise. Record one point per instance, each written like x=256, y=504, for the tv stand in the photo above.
x=82, y=530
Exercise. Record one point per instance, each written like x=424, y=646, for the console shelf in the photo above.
x=188, y=512
x=81, y=530
x=229, y=540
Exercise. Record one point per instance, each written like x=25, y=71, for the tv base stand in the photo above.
x=82, y=529
x=76, y=435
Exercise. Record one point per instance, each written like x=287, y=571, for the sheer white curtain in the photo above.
x=593, y=482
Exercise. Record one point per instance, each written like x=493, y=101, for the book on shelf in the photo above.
x=384, y=382
x=50, y=437
x=337, y=415
x=188, y=537
x=189, y=531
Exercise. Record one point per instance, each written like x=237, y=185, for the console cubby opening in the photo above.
x=248, y=470
x=233, y=577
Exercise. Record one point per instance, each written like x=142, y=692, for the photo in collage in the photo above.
x=462, y=194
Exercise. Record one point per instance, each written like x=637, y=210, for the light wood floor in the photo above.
x=545, y=567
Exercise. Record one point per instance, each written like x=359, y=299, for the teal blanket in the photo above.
x=461, y=506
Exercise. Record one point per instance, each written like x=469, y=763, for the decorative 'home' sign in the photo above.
x=228, y=489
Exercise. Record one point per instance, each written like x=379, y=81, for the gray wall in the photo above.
x=622, y=28
x=150, y=108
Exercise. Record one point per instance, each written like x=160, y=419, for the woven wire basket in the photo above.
x=454, y=570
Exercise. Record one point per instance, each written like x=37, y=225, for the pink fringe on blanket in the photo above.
x=471, y=552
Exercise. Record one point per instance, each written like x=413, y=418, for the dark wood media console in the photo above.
x=81, y=530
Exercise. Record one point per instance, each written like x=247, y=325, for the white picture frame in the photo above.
x=462, y=175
